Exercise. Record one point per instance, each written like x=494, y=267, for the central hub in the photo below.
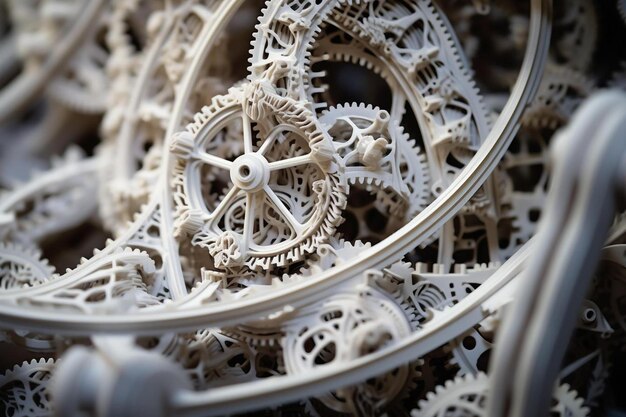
x=250, y=172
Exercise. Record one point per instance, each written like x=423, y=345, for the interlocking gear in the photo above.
x=346, y=327
x=24, y=389
x=280, y=203
x=21, y=267
x=467, y=396
x=342, y=202
x=377, y=154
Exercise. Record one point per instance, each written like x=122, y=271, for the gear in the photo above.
x=24, y=389
x=449, y=111
x=562, y=89
x=282, y=203
x=454, y=113
x=144, y=88
x=377, y=153
x=466, y=396
x=237, y=220
x=22, y=267
x=470, y=352
x=432, y=290
x=346, y=327
x=568, y=403
x=212, y=357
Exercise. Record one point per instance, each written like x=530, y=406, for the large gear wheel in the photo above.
x=281, y=203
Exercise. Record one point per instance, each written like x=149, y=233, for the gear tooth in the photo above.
x=188, y=222
x=182, y=144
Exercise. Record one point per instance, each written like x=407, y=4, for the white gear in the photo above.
x=25, y=389
x=466, y=396
x=377, y=153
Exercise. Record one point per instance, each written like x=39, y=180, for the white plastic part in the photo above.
x=273, y=241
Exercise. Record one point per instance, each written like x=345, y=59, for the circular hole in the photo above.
x=244, y=170
x=383, y=115
x=590, y=315
x=469, y=343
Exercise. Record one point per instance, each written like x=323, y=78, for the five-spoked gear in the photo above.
x=24, y=389
x=467, y=396
x=378, y=154
x=280, y=202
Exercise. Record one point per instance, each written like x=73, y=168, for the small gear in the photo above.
x=561, y=90
x=24, y=389
x=462, y=396
x=377, y=153
x=212, y=357
x=568, y=403
x=346, y=327
x=22, y=267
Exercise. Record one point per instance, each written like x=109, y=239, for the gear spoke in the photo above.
x=248, y=225
x=223, y=205
x=295, y=225
x=269, y=141
x=291, y=162
x=247, y=133
x=213, y=160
